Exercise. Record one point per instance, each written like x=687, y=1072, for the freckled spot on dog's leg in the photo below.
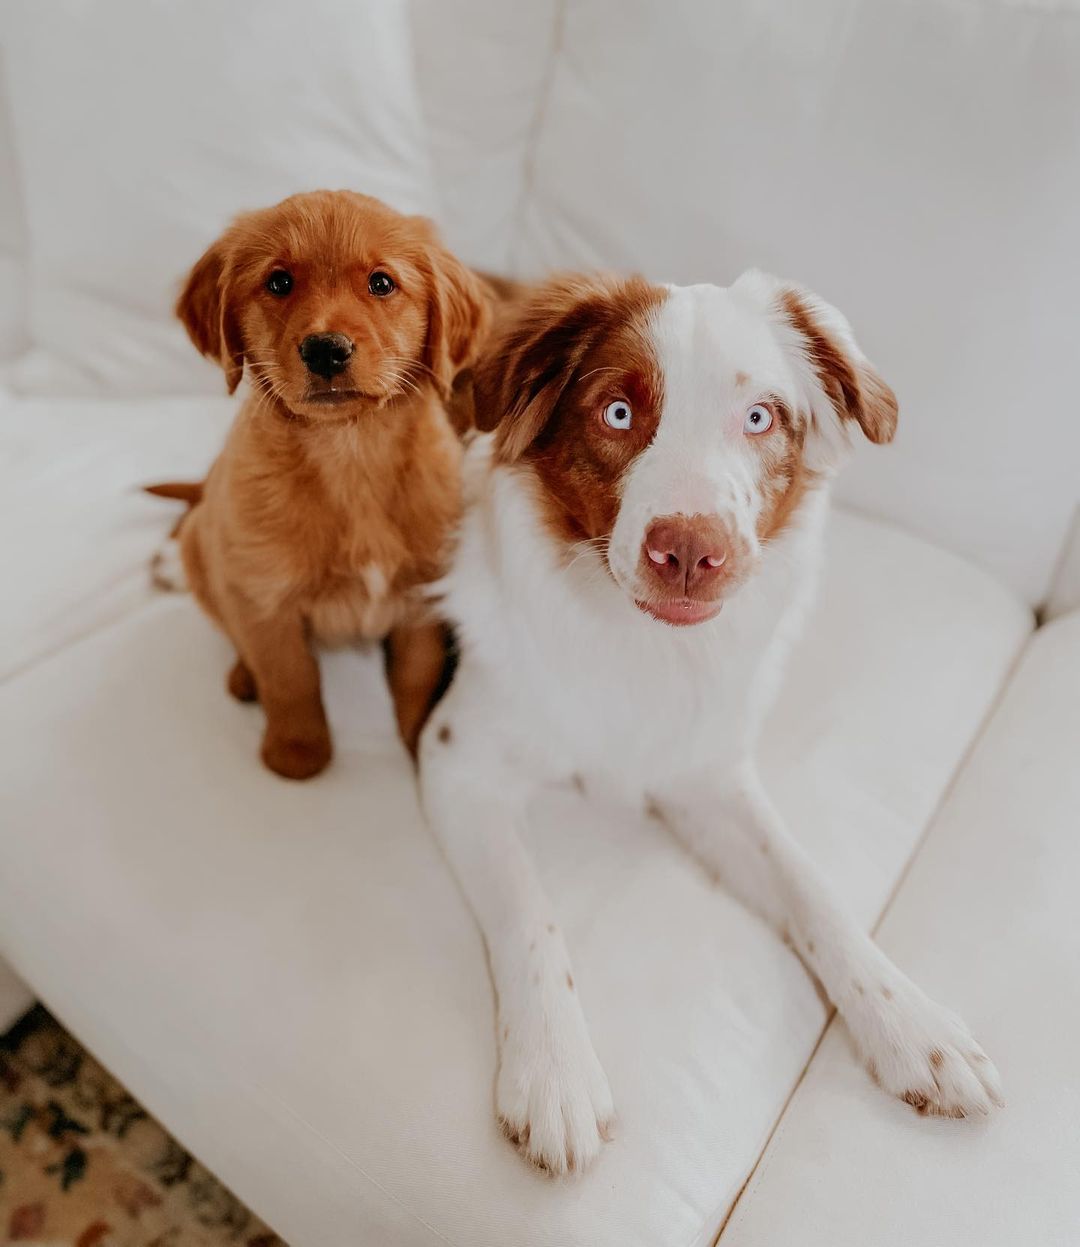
x=532, y=947
x=445, y=735
x=811, y=947
x=536, y=977
x=551, y=928
x=578, y=783
x=917, y=1100
x=506, y=1032
x=937, y=1058
x=859, y=988
x=887, y=993
x=570, y=981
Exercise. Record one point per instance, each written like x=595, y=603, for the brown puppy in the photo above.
x=339, y=485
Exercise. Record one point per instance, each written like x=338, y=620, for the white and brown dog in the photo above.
x=641, y=543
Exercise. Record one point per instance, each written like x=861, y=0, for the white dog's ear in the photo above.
x=841, y=384
x=526, y=369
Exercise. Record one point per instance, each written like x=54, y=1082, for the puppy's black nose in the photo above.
x=326, y=354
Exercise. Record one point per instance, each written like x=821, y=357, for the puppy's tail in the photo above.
x=190, y=492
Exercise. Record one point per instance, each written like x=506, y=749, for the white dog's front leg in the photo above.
x=552, y=1096
x=913, y=1047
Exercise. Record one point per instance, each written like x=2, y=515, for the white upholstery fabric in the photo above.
x=917, y=162
x=78, y=529
x=142, y=129
x=1065, y=591
x=288, y=977
x=483, y=71
x=15, y=996
x=987, y=920
x=12, y=236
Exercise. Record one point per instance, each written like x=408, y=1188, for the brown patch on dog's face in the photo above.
x=554, y=384
x=334, y=302
x=785, y=477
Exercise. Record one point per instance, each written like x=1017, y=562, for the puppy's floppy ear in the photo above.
x=459, y=316
x=528, y=367
x=844, y=385
x=206, y=308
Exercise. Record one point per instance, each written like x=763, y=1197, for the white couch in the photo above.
x=286, y=974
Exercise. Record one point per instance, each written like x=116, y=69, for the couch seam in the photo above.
x=532, y=141
x=1066, y=555
x=764, y=1161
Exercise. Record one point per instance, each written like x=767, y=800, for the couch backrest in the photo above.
x=483, y=69
x=915, y=161
x=141, y=129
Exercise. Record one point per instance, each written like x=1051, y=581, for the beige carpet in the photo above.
x=83, y=1165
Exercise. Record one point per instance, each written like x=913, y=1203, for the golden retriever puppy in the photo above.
x=334, y=499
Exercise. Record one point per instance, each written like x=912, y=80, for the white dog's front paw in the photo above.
x=552, y=1096
x=924, y=1054
x=167, y=567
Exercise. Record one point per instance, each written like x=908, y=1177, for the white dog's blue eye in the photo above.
x=617, y=415
x=758, y=419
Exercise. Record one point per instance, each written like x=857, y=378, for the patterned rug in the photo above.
x=83, y=1165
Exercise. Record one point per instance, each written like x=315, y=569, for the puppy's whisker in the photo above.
x=404, y=381
x=412, y=365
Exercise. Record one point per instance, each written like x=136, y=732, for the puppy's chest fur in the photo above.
x=349, y=521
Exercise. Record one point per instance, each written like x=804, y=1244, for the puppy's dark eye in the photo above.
x=380, y=283
x=279, y=282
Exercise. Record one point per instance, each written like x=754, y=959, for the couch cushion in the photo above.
x=986, y=920
x=918, y=163
x=287, y=976
x=142, y=129
x=78, y=530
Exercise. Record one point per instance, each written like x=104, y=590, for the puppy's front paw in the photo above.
x=167, y=567
x=296, y=757
x=925, y=1055
x=552, y=1097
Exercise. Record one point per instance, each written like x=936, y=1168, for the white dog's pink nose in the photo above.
x=685, y=552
